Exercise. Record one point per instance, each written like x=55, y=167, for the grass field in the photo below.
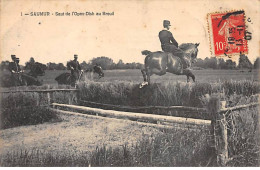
x=120, y=87
x=136, y=76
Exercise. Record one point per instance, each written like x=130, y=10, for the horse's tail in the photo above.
x=146, y=52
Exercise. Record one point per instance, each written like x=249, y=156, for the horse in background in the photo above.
x=96, y=69
x=66, y=78
x=22, y=78
x=161, y=62
x=7, y=80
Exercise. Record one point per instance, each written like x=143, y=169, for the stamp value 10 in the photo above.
x=228, y=34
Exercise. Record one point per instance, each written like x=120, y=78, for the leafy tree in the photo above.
x=60, y=66
x=4, y=65
x=120, y=64
x=222, y=64
x=105, y=62
x=199, y=63
x=54, y=66
x=210, y=62
x=29, y=63
x=230, y=64
x=244, y=62
x=84, y=65
x=51, y=66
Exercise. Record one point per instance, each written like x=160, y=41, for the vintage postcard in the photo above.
x=131, y=83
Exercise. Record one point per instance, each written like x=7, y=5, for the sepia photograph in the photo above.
x=129, y=83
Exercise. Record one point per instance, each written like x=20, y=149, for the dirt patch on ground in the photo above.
x=73, y=134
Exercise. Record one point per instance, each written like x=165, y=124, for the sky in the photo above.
x=133, y=27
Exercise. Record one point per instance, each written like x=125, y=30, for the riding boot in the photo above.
x=181, y=72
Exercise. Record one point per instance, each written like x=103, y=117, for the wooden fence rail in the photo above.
x=235, y=108
x=160, y=126
x=133, y=115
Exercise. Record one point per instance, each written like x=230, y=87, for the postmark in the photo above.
x=227, y=33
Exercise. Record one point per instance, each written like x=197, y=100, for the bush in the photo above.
x=164, y=94
x=14, y=117
x=243, y=137
x=24, y=109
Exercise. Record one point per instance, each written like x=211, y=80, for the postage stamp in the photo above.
x=227, y=33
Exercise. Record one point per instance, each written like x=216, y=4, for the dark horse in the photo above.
x=19, y=79
x=66, y=78
x=22, y=78
x=161, y=62
x=96, y=69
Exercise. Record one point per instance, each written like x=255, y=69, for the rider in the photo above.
x=75, y=68
x=15, y=70
x=168, y=43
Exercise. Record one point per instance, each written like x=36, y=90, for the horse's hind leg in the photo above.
x=143, y=71
x=192, y=76
x=146, y=77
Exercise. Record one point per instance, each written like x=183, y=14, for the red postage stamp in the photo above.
x=227, y=33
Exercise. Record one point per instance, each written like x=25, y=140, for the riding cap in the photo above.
x=13, y=57
x=166, y=23
x=75, y=55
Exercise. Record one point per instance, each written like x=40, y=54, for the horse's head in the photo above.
x=98, y=69
x=191, y=49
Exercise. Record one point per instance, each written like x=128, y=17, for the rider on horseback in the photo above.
x=75, y=69
x=15, y=70
x=168, y=43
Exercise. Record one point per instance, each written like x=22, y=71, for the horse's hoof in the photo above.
x=143, y=84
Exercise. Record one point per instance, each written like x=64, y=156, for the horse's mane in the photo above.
x=186, y=46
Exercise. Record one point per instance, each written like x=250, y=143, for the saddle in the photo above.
x=181, y=59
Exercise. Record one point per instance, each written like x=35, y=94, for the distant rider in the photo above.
x=168, y=43
x=75, y=69
x=15, y=70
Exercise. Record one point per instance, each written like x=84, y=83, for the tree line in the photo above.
x=220, y=63
x=108, y=64
x=105, y=62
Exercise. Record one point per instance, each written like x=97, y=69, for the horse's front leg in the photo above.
x=189, y=74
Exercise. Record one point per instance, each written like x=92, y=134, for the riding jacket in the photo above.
x=73, y=64
x=14, y=67
x=166, y=38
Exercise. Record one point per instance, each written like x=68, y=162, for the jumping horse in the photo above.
x=66, y=78
x=161, y=62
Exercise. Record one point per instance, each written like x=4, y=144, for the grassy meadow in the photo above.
x=211, y=76
x=169, y=148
